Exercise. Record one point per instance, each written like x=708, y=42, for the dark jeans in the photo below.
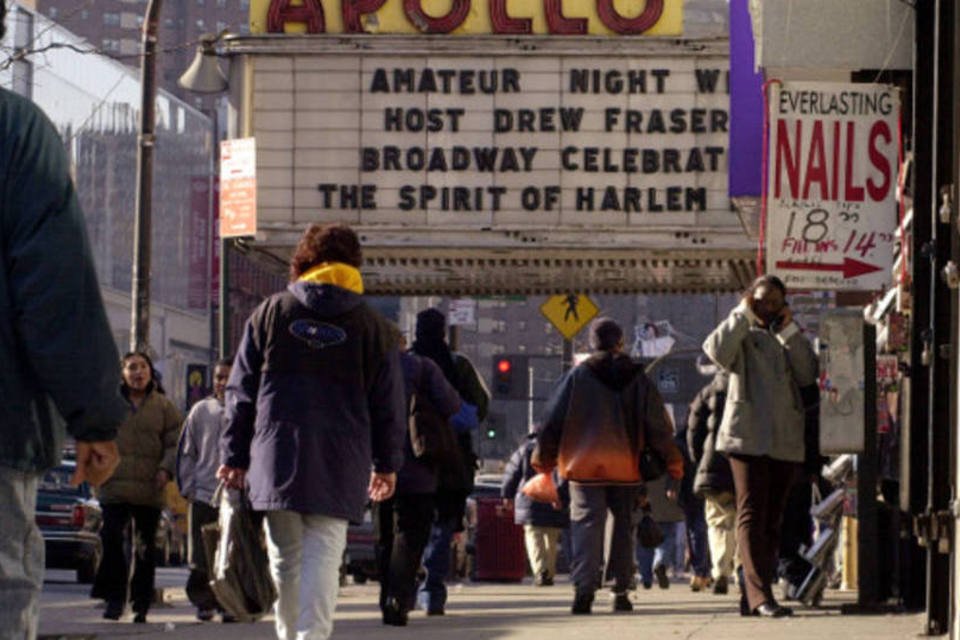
x=403, y=527
x=114, y=572
x=588, y=518
x=762, y=485
x=198, y=584
x=696, y=523
x=436, y=557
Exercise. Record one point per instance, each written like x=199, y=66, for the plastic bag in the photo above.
x=541, y=488
x=239, y=570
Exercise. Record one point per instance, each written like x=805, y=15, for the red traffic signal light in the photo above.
x=504, y=366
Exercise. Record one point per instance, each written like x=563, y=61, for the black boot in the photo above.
x=393, y=613
x=582, y=603
x=114, y=610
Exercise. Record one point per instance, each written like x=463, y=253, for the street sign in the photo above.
x=238, y=188
x=569, y=313
x=831, y=184
x=462, y=312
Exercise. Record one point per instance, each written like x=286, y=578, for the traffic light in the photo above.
x=495, y=424
x=511, y=377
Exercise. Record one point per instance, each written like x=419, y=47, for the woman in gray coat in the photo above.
x=762, y=430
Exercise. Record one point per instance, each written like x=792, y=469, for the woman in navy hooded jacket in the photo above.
x=542, y=523
x=315, y=422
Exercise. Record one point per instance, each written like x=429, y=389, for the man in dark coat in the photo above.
x=600, y=418
x=58, y=360
x=314, y=400
x=713, y=480
x=455, y=482
x=403, y=522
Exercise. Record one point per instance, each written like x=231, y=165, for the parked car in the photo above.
x=69, y=519
x=360, y=554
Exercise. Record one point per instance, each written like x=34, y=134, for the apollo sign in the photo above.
x=465, y=17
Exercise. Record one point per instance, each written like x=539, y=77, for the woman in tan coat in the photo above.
x=147, y=441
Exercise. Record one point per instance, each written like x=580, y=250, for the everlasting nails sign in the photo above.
x=831, y=189
x=469, y=17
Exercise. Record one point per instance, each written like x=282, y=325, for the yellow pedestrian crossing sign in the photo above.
x=569, y=313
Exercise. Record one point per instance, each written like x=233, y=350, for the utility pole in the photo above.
x=142, y=223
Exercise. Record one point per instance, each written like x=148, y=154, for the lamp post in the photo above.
x=204, y=76
x=140, y=293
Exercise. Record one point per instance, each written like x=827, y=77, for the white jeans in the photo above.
x=305, y=555
x=21, y=555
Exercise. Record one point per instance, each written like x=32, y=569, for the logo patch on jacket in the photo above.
x=319, y=335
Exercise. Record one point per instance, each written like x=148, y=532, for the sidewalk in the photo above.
x=488, y=611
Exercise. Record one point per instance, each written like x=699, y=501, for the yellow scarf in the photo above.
x=335, y=273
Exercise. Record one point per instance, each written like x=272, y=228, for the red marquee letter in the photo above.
x=282, y=11
x=502, y=23
x=446, y=24
x=353, y=9
x=616, y=22
x=558, y=23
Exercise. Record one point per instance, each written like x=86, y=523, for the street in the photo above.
x=480, y=611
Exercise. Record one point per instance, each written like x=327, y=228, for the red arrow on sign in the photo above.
x=851, y=268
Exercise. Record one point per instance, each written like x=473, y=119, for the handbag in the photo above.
x=652, y=465
x=649, y=533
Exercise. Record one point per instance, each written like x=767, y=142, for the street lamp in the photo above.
x=204, y=76
x=140, y=291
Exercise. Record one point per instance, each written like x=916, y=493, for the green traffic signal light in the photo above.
x=491, y=433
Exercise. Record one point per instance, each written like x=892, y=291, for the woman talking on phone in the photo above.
x=762, y=430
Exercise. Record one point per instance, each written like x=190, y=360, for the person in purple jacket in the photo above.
x=403, y=522
x=314, y=422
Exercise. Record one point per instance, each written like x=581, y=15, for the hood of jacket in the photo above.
x=615, y=370
x=327, y=300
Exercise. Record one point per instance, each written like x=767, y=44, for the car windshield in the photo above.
x=57, y=480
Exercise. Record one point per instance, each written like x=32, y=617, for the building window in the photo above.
x=53, y=13
x=199, y=3
x=521, y=325
x=110, y=45
x=222, y=4
x=221, y=26
x=244, y=4
x=111, y=19
x=201, y=24
x=84, y=14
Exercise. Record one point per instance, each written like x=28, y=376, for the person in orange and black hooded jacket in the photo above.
x=603, y=414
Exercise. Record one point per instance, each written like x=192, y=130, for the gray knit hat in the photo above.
x=605, y=334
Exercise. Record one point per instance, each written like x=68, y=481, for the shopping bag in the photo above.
x=240, y=571
x=541, y=488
